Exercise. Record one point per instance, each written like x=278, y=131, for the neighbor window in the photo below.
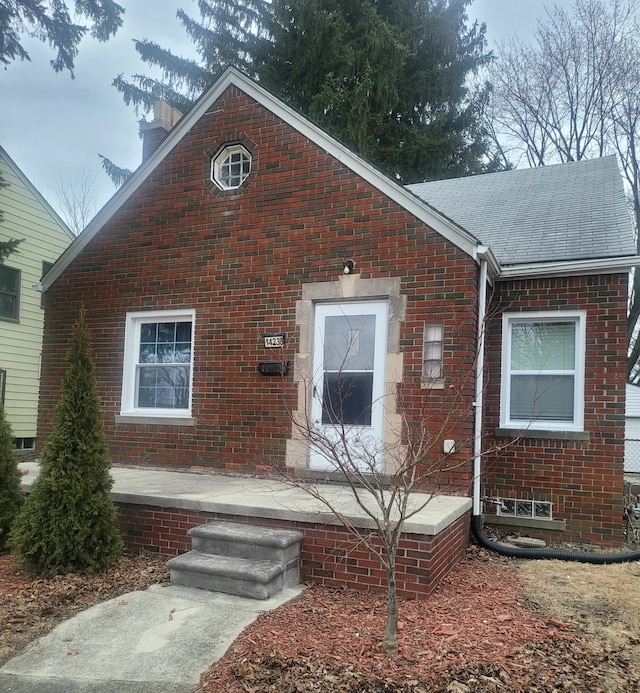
x=231, y=167
x=432, y=354
x=9, y=293
x=46, y=266
x=543, y=371
x=158, y=364
x=24, y=443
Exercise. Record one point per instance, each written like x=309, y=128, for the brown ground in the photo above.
x=31, y=607
x=495, y=625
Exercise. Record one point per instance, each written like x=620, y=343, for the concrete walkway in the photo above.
x=158, y=640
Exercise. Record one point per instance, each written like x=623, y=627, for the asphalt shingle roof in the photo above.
x=574, y=211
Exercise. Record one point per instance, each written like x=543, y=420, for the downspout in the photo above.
x=479, y=394
x=476, y=517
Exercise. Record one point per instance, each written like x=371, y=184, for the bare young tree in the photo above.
x=572, y=94
x=391, y=482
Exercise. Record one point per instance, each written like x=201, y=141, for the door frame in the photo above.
x=372, y=436
x=346, y=287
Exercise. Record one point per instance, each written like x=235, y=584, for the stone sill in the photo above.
x=525, y=522
x=155, y=420
x=548, y=435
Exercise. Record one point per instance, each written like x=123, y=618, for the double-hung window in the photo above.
x=543, y=371
x=158, y=364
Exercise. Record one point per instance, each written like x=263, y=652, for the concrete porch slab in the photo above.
x=258, y=497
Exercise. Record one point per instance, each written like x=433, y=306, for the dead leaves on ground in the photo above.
x=31, y=606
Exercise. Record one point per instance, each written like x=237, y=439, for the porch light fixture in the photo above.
x=347, y=266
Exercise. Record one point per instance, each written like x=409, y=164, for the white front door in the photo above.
x=349, y=353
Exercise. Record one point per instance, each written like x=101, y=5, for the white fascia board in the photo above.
x=569, y=268
x=431, y=217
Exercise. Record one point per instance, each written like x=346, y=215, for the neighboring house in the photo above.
x=236, y=235
x=27, y=216
x=632, y=430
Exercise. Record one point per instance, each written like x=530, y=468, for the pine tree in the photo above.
x=10, y=494
x=10, y=246
x=53, y=23
x=68, y=522
x=389, y=78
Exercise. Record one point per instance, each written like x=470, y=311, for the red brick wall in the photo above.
x=583, y=479
x=240, y=259
x=329, y=554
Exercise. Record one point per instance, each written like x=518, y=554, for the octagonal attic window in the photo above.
x=230, y=167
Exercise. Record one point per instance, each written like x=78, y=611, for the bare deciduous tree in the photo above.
x=77, y=198
x=572, y=94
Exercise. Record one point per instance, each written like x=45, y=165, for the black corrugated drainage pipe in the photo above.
x=558, y=554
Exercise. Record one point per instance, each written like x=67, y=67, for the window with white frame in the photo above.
x=158, y=363
x=231, y=167
x=543, y=371
x=432, y=353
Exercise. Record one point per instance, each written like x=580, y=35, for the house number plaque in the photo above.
x=273, y=341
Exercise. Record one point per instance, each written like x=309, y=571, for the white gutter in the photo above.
x=569, y=268
x=478, y=403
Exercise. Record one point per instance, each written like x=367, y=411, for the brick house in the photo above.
x=249, y=240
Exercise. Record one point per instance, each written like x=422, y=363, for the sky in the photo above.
x=54, y=127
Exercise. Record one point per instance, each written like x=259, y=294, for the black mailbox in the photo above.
x=273, y=367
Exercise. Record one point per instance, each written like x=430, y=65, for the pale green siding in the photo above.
x=26, y=215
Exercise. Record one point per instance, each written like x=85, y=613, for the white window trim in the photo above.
x=222, y=156
x=131, y=349
x=508, y=319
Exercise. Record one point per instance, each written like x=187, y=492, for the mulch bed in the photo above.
x=476, y=634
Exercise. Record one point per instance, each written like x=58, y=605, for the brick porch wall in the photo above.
x=330, y=555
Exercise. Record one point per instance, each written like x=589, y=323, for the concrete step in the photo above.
x=259, y=579
x=239, y=559
x=246, y=541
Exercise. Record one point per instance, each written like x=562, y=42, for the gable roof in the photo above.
x=544, y=221
x=419, y=208
x=35, y=193
x=565, y=213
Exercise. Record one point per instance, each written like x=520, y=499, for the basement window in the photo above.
x=24, y=443
x=231, y=167
x=519, y=507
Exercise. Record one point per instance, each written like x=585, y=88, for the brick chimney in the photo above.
x=155, y=132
